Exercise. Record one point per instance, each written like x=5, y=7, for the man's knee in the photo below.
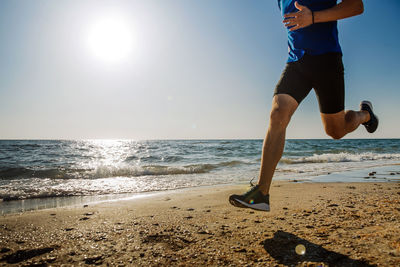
x=283, y=107
x=335, y=132
x=335, y=124
x=280, y=117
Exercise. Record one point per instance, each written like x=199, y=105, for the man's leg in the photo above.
x=329, y=86
x=291, y=89
x=339, y=124
x=283, y=107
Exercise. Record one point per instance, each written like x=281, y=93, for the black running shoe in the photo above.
x=252, y=199
x=372, y=124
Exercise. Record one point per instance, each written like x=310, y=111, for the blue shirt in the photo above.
x=316, y=39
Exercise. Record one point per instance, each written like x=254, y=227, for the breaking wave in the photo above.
x=113, y=171
x=340, y=157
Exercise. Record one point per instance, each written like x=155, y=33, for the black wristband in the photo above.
x=312, y=13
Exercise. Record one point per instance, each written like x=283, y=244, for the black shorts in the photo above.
x=324, y=73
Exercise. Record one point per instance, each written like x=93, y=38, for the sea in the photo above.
x=38, y=174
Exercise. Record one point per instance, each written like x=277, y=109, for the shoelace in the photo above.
x=253, y=188
x=251, y=184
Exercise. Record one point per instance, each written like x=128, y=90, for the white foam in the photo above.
x=341, y=157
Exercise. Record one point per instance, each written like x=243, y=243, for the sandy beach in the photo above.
x=339, y=224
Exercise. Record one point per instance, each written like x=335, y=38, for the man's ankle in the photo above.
x=367, y=117
x=263, y=189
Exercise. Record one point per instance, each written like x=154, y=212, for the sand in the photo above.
x=339, y=224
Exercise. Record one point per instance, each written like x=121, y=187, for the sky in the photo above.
x=175, y=69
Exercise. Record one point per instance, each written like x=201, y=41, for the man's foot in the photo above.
x=372, y=124
x=252, y=199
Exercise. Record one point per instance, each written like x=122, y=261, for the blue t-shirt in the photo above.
x=316, y=39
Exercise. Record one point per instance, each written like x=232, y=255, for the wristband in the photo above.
x=312, y=13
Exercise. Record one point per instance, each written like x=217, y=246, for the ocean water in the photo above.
x=31, y=169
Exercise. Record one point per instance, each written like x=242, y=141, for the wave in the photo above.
x=20, y=172
x=340, y=157
x=168, y=159
x=10, y=197
x=19, y=145
x=113, y=171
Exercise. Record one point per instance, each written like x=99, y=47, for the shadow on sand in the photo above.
x=282, y=248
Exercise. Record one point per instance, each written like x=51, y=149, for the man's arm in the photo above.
x=304, y=17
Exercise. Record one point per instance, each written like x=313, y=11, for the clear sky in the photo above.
x=175, y=69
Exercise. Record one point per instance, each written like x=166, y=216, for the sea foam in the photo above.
x=340, y=157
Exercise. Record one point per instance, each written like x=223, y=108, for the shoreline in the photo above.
x=387, y=173
x=349, y=223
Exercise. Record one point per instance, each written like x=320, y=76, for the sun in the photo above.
x=110, y=39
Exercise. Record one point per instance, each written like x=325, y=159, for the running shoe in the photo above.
x=372, y=124
x=252, y=199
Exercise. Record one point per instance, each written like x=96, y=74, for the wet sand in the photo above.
x=340, y=224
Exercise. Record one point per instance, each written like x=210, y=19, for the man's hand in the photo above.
x=300, y=19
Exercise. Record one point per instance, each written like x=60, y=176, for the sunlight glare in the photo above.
x=110, y=39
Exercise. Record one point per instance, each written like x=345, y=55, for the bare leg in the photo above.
x=339, y=124
x=283, y=107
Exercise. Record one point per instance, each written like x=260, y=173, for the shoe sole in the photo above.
x=236, y=204
x=369, y=104
x=242, y=204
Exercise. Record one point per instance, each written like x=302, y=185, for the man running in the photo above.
x=315, y=61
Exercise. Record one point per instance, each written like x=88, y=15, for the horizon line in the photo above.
x=179, y=139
